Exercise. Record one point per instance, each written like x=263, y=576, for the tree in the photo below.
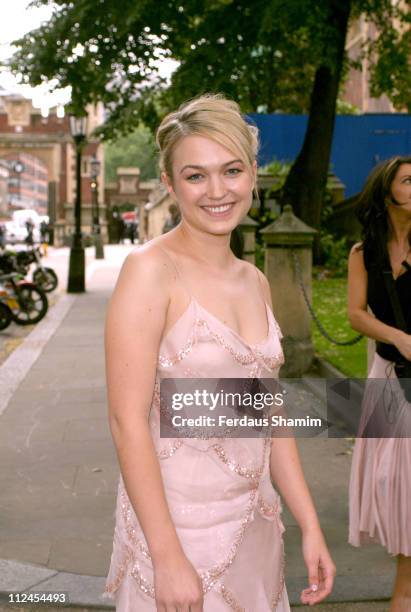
x=267, y=54
x=135, y=149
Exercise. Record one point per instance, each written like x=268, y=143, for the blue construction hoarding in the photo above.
x=360, y=142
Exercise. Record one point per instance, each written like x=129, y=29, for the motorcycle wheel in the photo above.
x=45, y=278
x=33, y=305
x=6, y=316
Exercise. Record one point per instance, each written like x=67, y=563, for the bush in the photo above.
x=334, y=254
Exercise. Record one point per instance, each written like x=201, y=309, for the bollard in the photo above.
x=286, y=235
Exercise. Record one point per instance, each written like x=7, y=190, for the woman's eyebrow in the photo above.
x=196, y=167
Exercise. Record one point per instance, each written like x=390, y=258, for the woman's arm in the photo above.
x=135, y=321
x=360, y=318
x=287, y=474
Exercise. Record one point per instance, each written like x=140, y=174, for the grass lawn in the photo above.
x=330, y=305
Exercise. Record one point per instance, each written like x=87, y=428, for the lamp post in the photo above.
x=95, y=171
x=18, y=168
x=76, y=282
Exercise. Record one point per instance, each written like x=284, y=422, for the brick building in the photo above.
x=27, y=182
x=45, y=149
x=357, y=86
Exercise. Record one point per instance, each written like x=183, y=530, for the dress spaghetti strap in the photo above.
x=260, y=284
x=176, y=268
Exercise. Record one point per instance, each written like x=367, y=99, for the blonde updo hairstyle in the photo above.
x=211, y=116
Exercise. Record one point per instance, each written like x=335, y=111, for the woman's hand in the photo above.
x=178, y=587
x=403, y=344
x=321, y=569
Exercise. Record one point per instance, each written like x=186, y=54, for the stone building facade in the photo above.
x=45, y=143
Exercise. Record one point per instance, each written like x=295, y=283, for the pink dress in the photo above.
x=224, y=507
x=380, y=482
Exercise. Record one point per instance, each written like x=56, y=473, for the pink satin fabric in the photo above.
x=224, y=507
x=380, y=483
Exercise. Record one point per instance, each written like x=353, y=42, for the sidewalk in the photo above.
x=58, y=469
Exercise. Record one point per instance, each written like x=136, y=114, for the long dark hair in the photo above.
x=371, y=210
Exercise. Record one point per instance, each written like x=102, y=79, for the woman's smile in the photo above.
x=218, y=210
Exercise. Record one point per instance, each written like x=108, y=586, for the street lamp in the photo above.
x=76, y=283
x=95, y=171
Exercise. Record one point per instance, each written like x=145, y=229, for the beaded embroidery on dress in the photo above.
x=226, y=512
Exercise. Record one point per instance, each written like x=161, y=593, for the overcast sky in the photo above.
x=16, y=21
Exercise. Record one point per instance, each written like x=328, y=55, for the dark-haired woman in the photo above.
x=380, y=486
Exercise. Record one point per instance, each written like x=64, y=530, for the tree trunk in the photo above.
x=305, y=184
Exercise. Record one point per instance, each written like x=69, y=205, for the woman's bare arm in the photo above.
x=360, y=318
x=287, y=474
x=135, y=321
x=134, y=324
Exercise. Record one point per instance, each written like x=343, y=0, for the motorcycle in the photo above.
x=27, y=303
x=5, y=315
x=43, y=276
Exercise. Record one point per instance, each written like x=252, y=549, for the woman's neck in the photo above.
x=210, y=249
x=400, y=229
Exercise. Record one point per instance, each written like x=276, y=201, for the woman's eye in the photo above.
x=194, y=177
x=234, y=171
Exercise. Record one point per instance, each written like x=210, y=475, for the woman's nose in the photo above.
x=216, y=189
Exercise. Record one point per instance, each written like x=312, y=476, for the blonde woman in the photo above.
x=198, y=523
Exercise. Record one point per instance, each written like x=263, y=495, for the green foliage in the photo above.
x=110, y=51
x=136, y=149
x=279, y=170
x=329, y=297
x=334, y=254
x=345, y=108
x=259, y=256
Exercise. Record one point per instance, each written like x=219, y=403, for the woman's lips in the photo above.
x=220, y=210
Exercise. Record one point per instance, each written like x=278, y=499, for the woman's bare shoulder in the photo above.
x=147, y=270
x=255, y=273
x=357, y=248
x=151, y=257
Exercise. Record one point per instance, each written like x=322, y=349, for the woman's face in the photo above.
x=401, y=188
x=212, y=185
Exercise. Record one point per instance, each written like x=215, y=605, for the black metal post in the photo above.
x=76, y=279
x=95, y=171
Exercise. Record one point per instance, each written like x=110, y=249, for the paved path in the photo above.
x=58, y=470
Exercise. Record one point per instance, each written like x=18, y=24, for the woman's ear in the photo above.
x=166, y=180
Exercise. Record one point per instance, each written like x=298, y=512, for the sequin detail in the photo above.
x=272, y=363
x=244, y=358
x=127, y=512
x=166, y=453
x=211, y=576
x=114, y=585
x=236, y=467
x=143, y=583
x=169, y=362
x=276, y=598
x=230, y=599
